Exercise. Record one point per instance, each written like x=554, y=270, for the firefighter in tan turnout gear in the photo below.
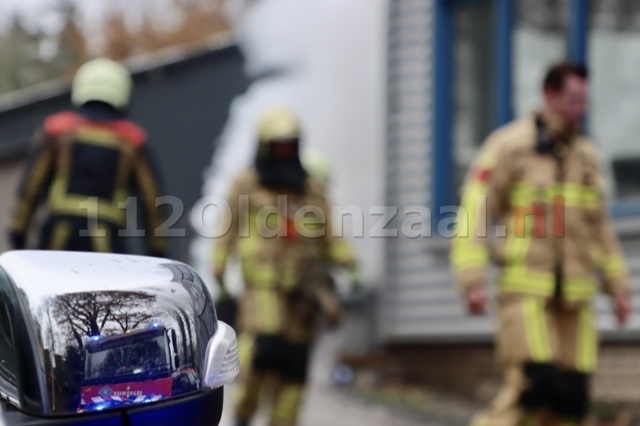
x=318, y=272
x=540, y=180
x=280, y=226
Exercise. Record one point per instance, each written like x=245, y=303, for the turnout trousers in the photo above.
x=548, y=350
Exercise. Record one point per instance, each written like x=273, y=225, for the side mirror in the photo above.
x=221, y=361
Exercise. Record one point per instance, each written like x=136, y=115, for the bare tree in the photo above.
x=92, y=314
x=200, y=20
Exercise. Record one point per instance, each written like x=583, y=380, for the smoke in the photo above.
x=324, y=59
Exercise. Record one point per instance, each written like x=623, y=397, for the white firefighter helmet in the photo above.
x=102, y=80
x=278, y=123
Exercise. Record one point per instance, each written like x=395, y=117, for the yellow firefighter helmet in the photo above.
x=102, y=80
x=318, y=167
x=278, y=123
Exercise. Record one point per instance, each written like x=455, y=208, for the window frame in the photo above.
x=443, y=151
x=442, y=161
x=579, y=52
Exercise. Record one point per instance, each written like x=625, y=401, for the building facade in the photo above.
x=457, y=69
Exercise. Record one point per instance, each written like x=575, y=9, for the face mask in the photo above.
x=279, y=166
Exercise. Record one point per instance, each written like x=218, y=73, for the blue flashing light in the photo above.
x=100, y=406
x=95, y=338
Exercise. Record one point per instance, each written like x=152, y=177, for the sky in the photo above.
x=40, y=14
x=35, y=11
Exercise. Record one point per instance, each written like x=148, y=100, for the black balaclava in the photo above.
x=279, y=166
x=100, y=111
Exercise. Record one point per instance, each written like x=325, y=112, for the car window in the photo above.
x=8, y=365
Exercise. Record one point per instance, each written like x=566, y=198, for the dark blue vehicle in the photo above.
x=109, y=340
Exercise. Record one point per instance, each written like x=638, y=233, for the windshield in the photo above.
x=143, y=355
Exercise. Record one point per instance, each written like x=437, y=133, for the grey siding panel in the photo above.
x=409, y=286
x=424, y=305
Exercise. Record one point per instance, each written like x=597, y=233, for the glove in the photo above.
x=622, y=305
x=223, y=292
x=157, y=253
x=17, y=240
x=476, y=299
x=226, y=306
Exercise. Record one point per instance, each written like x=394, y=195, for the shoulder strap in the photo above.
x=61, y=123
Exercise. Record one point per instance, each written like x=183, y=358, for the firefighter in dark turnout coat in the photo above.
x=85, y=164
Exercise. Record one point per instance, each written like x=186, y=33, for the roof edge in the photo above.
x=136, y=65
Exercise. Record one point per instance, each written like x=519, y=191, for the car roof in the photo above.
x=58, y=272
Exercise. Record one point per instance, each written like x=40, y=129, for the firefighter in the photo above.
x=318, y=167
x=277, y=307
x=540, y=179
x=85, y=164
x=318, y=272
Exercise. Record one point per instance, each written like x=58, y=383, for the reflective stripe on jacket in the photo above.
x=552, y=222
x=89, y=169
x=272, y=263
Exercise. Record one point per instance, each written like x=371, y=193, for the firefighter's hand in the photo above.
x=223, y=293
x=218, y=274
x=476, y=300
x=622, y=307
x=17, y=240
x=157, y=253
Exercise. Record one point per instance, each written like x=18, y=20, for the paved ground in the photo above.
x=324, y=406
